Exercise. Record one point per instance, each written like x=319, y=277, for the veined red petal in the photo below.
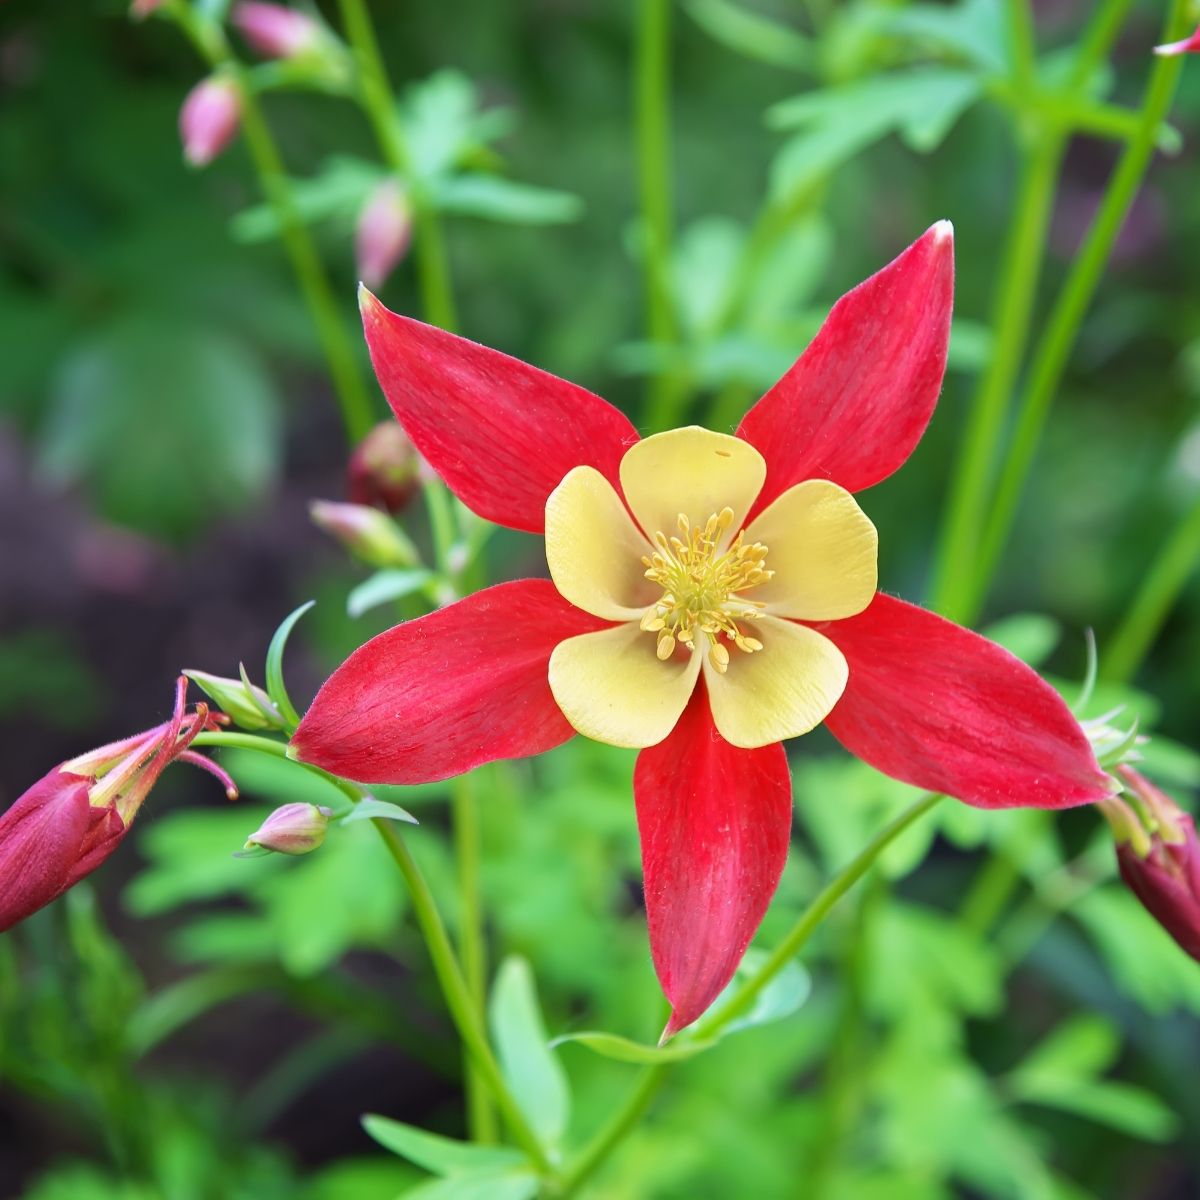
x=935, y=705
x=857, y=400
x=439, y=695
x=715, y=823
x=501, y=433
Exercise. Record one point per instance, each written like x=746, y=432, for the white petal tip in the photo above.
x=943, y=231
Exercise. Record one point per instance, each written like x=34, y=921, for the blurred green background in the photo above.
x=198, y=1026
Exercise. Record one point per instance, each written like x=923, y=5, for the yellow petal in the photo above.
x=612, y=687
x=691, y=471
x=783, y=690
x=595, y=550
x=822, y=548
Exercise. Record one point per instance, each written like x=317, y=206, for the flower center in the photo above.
x=702, y=588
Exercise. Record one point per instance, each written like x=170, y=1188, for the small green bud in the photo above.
x=293, y=829
x=248, y=706
x=367, y=533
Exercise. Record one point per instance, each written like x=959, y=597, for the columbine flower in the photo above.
x=297, y=828
x=1159, y=856
x=1189, y=45
x=209, y=119
x=277, y=32
x=711, y=595
x=73, y=818
x=383, y=233
x=385, y=470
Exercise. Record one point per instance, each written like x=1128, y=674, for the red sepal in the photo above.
x=935, y=705
x=856, y=402
x=715, y=823
x=501, y=433
x=439, y=695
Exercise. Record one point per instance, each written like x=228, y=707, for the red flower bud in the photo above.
x=383, y=234
x=276, y=32
x=1159, y=858
x=209, y=119
x=297, y=828
x=73, y=818
x=384, y=469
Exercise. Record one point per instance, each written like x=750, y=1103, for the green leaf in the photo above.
x=276, y=688
x=441, y=1155
x=783, y=995
x=166, y=425
x=611, y=1045
x=1120, y=1106
x=371, y=808
x=973, y=29
x=385, y=586
x=1032, y=637
x=752, y=34
x=480, y=1185
x=1083, y=1046
x=530, y=1067
x=498, y=199
x=445, y=127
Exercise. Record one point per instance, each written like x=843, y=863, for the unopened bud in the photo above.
x=277, y=32
x=139, y=10
x=383, y=234
x=367, y=533
x=384, y=470
x=1189, y=45
x=246, y=705
x=209, y=119
x=293, y=829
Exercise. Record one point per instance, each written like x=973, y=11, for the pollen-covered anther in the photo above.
x=702, y=588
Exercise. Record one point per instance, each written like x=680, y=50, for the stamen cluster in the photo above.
x=702, y=588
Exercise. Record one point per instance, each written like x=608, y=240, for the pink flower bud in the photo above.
x=139, y=10
x=209, y=119
x=1189, y=45
x=1159, y=859
x=74, y=817
x=383, y=234
x=384, y=470
x=293, y=829
x=366, y=532
x=276, y=32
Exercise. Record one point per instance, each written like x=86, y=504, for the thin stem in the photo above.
x=458, y=996
x=1058, y=339
x=433, y=270
x=966, y=506
x=652, y=130
x=989, y=894
x=1019, y=23
x=1160, y=588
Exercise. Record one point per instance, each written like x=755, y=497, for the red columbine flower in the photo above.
x=711, y=596
x=73, y=818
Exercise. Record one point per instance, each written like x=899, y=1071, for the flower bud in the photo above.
x=1158, y=855
x=367, y=533
x=1189, y=45
x=139, y=10
x=209, y=119
x=384, y=470
x=277, y=32
x=293, y=829
x=249, y=707
x=383, y=234
x=73, y=818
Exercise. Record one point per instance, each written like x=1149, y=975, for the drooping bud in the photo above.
x=139, y=10
x=383, y=234
x=1189, y=45
x=75, y=816
x=246, y=705
x=293, y=829
x=209, y=119
x=384, y=470
x=367, y=533
x=1158, y=855
x=277, y=32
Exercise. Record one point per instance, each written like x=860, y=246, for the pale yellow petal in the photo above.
x=783, y=690
x=595, y=550
x=612, y=687
x=822, y=548
x=691, y=471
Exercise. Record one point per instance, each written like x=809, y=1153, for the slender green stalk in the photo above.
x=433, y=269
x=353, y=398
x=989, y=894
x=652, y=129
x=1056, y=343
x=1155, y=598
x=1019, y=23
x=966, y=506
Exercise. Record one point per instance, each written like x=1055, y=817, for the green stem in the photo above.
x=433, y=270
x=989, y=893
x=1065, y=318
x=1155, y=598
x=1019, y=23
x=652, y=130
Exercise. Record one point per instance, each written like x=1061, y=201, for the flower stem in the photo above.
x=1160, y=589
x=1055, y=346
x=433, y=270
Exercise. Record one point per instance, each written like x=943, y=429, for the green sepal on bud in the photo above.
x=297, y=828
x=248, y=706
x=370, y=535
